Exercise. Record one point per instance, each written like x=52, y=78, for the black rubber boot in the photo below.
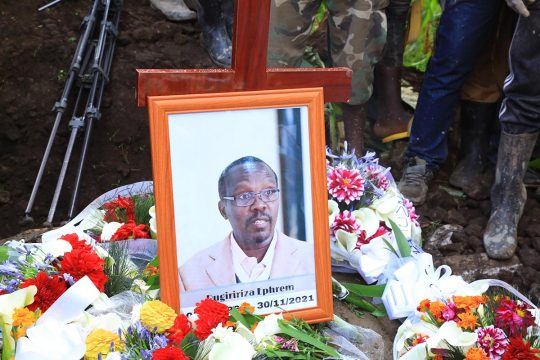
x=472, y=173
x=508, y=194
x=214, y=36
x=354, y=118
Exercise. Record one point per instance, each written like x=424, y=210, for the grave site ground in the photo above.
x=35, y=54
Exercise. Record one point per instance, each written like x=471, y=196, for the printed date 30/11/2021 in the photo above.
x=284, y=301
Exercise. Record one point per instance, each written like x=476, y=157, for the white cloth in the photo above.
x=247, y=268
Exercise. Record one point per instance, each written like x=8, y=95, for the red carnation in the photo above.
x=211, y=313
x=180, y=328
x=48, y=290
x=81, y=262
x=75, y=242
x=520, y=350
x=120, y=210
x=131, y=231
x=169, y=353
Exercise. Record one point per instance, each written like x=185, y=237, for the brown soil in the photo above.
x=36, y=51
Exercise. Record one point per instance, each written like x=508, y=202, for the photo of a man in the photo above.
x=254, y=250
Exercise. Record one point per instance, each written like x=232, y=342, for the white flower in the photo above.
x=109, y=229
x=368, y=220
x=267, y=327
x=346, y=240
x=451, y=334
x=56, y=248
x=230, y=345
x=152, y=222
x=333, y=211
x=387, y=204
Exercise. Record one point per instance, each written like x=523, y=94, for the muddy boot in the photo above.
x=214, y=37
x=414, y=183
x=508, y=194
x=472, y=173
x=354, y=118
x=393, y=119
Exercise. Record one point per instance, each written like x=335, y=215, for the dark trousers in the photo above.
x=464, y=30
x=520, y=111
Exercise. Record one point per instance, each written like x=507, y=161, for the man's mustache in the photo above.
x=260, y=216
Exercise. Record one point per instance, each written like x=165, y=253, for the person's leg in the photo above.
x=214, y=36
x=357, y=33
x=392, y=117
x=520, y=125
x=480, y=101
x=464, y=29
x=290, y=27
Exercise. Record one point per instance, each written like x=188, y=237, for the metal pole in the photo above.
x=60, y=106
x=89, y=125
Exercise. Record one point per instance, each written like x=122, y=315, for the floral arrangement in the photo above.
x=213, y=332
x=492, y=325
x=39, y=280
x=363, y=203
x=122, y=218
x=34, y=276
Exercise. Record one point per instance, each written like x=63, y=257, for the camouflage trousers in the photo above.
x=356, y=33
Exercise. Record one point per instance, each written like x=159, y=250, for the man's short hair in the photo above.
x=242, y=161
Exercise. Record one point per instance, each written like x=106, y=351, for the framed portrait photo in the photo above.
x=241, y=202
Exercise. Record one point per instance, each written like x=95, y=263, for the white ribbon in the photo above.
x=54, y=337
x=417, y=279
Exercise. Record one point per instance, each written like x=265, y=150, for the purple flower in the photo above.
x=10, y=269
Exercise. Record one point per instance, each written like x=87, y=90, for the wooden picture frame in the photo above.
x=193, y=137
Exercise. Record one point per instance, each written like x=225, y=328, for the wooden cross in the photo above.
x=248, y=71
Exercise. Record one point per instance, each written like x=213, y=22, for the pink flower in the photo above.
x=492, y=340
x=411, y=210
x=345, y=185
x=513, y=317
x=345, y=221
x=449, y=312
x=376, y=176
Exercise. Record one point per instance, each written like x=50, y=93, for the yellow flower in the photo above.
x=157, y=315
x=99, y=342
x=23, y=317
x=245, y=308
x=22, y=320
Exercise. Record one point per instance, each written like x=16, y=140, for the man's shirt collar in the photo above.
x=246, y=268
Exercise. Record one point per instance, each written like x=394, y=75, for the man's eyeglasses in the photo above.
x=248, y=198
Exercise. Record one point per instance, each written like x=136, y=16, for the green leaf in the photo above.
x=3, y=253
x=235, y=314
x=402, y=243
x=189, y=345
x=301, y=336
x=365, y=290
x=390, y=247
